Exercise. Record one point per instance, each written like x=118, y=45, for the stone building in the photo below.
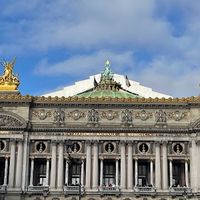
x=103, y=143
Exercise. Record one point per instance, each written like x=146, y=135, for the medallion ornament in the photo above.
x=41, y=114
x=76, y=114
x=177, y=115
x=143, y=115
x=109, y=115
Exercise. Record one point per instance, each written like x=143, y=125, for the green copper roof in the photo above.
x=107, y=87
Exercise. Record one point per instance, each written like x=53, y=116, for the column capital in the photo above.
x=123, y=142
x=164, y=143
x=13, y=140
x=130, y=143
x=32, y=157
x=88, y=142
x=157, y=143
x=95, y=142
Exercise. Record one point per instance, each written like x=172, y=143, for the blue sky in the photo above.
x=154, y=42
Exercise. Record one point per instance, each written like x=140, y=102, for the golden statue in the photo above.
x=8, y=81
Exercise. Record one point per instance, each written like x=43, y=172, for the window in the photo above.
x=109, y=173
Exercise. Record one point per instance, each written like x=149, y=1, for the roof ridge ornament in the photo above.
x=107, y=73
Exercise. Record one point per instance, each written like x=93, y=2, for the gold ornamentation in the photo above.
x=143, y=115
x=177, y=115
x=42, y=114
x=76, y=114
x=109, y=115
x=8, y=81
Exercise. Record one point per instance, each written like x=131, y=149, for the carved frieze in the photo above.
x=76, y=114
x=59, y=116
x=143, y=115
x=177, y=115
x=93, y=116
x=41, y=114
x=109, y=114
x=160, y=116
x=127, y=116
x=9, y=121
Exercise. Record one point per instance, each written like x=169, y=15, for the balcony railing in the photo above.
x=3, y=189
x=109, y=190
x=73, y=189
x=179, y=191
x=145, y=190
x=38, y=189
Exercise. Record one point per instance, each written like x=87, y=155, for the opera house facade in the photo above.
x=105, y=141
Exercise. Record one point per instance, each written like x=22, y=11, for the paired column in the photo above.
x=88, y=165
x=193, y=169
x=165, y=166
x=151, y=172
x=130, y=166
x=67, y=171
x=32, y=171
x=12, y=164
x=123, y=166
x=136, y=172
x=95, y=177
x=117, y=173
x=186, y=174
x=60, y=166
x=53, y=165
x=47, y=172
x=18, y=177
x=5, y=171
x=82, y=172
x=171, y=172
x=157, y=167
x=101, y=172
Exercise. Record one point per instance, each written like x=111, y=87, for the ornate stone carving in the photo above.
x=143, y=115
x=109, y=115
x=177, y=115
x=76, y=114
x=41, y=114
x=59, y=116
x=127, y=116
x=160, y=116
x=93, y=116
x=8, y=121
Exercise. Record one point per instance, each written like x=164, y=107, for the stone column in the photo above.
x=82, y=172
x=19, y=164
x=12, y=164
x=95, y=177
x=157, y=167
x=60, y=166
x=136, y=172
x=117, y=172
x=101, y=172
x=151, y=172
x=5, y=171
x=88, y=165
x=67, y=171
x=123, y=166
x=193, y=163
x=186, y=174
x=32, y=171
x=171, y=172
x=165, y=166
x=130, y=166
x=47, y=172
x=53, y=165
x=25, y=168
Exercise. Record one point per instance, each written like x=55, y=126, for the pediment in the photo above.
x=11, y=120
x=196, y=124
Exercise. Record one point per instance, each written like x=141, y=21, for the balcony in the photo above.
x=3, y=189
x=145, y=190
x=180, y=191
x=109, y=190
x=73, y=190
x=38, y=190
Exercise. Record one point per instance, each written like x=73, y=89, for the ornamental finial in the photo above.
x=8, y=81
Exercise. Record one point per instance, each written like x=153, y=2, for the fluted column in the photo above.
x=31, y=171
x=123, y=166
x=82, y=172
x=186, y=174
x=130, y=166
x=117, y=172
x=171, y=172
x=53, y=165
x=5, y=171
x=95, y=177
x=88, y=165
x=193, y=163
x=151, y=172
x=19, y=164
x=60, y=166
x=47, y=172
x=165, y=166
x=101, y=172
x=12, y=164
x=136, y=172
x=157, y=167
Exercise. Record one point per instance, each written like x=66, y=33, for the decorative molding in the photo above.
x=76, y=114
x=143, y=115
x=177, y=115
x=41, y=114
x=109, y=114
